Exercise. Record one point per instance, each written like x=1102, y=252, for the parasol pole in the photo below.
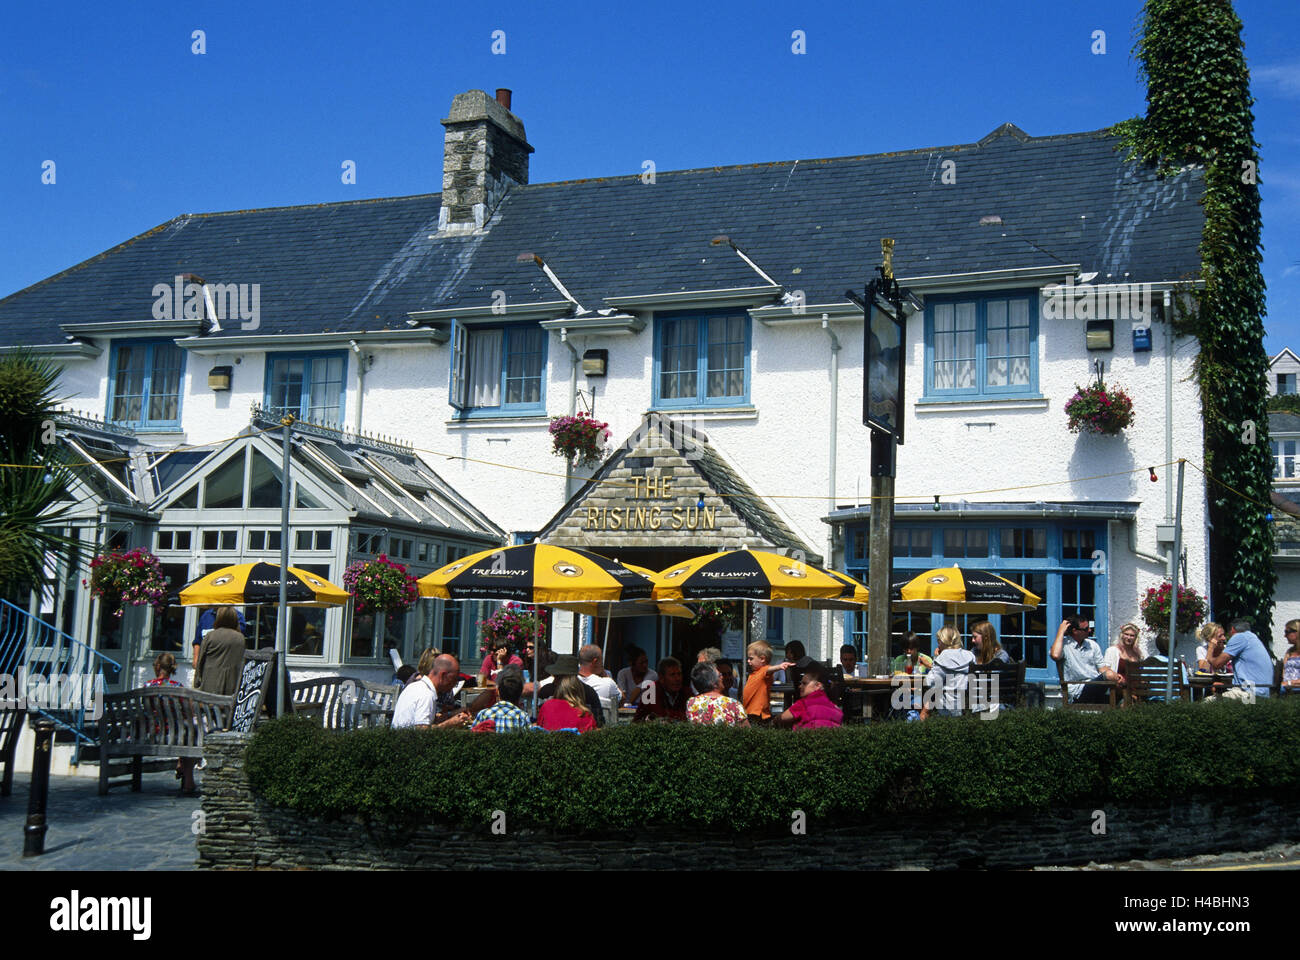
x=282, y=616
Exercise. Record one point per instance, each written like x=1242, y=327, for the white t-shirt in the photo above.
x=416, y=704
x=608, y=691
x=626, y=684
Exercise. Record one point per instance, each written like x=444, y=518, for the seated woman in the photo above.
x=1124, y=652
x=1213, y=639
x=712, y=707
x=633, y=678
x=984, y=644
x=948, y=678
x=500, y=656
x=814, y=708
x=911, y=661
x=1291, y=659
x=567, y=710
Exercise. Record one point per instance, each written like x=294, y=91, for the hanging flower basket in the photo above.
x=1155, y=609
x=380, y=585
x=721, y=615
x=515, y=624
x=579, y=439
x=133, y=577
x=1099, y=409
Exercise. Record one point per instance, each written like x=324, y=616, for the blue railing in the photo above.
x=60, y=677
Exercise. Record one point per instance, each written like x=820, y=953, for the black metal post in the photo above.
x=34, y=830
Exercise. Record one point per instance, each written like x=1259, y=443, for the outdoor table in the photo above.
x=876, y=688
x=1203, y=683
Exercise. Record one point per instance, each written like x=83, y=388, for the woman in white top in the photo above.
x=1124, y=650
x=633, y=679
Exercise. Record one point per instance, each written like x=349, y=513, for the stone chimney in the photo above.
x=484, y=154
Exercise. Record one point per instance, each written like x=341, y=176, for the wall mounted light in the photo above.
x=595, y=363
x=1100, y=335
x=219, y=378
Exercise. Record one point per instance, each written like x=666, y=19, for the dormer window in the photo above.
x=144, y=388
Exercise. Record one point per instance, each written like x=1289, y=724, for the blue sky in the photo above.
x=141, y=129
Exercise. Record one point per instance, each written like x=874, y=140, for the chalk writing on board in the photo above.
x=248, y=697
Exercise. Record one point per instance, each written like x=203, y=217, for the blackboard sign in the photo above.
x=257, y=675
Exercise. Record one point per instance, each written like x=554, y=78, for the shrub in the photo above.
x=627, y=777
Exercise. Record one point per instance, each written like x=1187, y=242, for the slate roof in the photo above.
x=1283, y=423
x=813, y=225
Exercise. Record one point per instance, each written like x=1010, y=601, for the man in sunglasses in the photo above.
x=1083, y=660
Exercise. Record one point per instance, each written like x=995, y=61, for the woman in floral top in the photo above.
x=711, y=708
x=1291, y=660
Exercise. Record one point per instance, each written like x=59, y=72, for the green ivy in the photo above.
x=625, y=777
x=1191, y=56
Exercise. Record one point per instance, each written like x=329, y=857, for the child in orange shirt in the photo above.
x=758, y=687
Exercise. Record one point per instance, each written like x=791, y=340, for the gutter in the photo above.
x=834, y=439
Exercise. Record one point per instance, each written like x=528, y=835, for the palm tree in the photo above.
x=34, y=477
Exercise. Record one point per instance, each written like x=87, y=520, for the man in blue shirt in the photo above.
x=1252, y=667
x=208, y=616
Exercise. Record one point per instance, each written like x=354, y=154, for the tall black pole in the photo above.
x=34, y=830
x=282, y=617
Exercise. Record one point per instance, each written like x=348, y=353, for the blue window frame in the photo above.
x=498, y=370
x=701, y=359
x=144, y=385
x=981, y=346
x=308, y=385
x=1061, y=561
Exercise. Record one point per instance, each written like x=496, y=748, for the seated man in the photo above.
x=1252, y=667
x=814, y=707
x=666, y=698
x=504, y=716
x=419, y=702
x=591, y=671
x=1082, y=660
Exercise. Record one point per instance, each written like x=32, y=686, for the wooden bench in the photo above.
x=11, y=728
x=157, y=722
x=344, y=703
x=1148, y=682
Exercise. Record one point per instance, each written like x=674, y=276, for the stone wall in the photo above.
x=240, y=832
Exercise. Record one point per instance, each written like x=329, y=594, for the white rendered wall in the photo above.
x=781, y=447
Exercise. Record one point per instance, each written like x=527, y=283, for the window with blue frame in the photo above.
x=701, y=360
x=308, y=385
x=144, y=389
x=981, y=347
x=498, y=369
x=1057, y=560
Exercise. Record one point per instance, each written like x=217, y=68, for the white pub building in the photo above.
x=425, y=342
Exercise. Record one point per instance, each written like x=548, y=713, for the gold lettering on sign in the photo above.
x=651, y=516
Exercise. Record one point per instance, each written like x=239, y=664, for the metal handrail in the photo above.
x=70, y=662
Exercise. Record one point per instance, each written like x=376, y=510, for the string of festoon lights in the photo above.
x=936, y=498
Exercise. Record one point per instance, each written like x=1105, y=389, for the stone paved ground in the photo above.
x=149, y=830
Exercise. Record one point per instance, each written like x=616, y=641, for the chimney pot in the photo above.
x=503, y=97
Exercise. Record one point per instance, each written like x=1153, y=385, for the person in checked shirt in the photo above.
x=504, y=716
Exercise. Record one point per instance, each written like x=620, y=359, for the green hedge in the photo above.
x=680, y=774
